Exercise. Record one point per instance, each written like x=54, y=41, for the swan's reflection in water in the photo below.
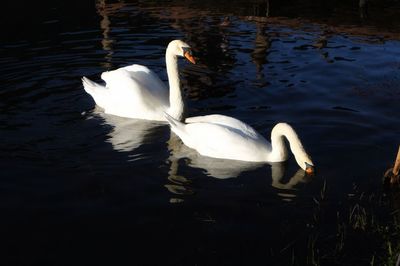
x=224, y=169
x=127, y=134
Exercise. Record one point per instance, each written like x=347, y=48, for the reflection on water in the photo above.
x=260, y=52
x=217, y=168
x=278, y=173
x=126, y=134
x=104, y=10
x=332, y=72
x=224, y=169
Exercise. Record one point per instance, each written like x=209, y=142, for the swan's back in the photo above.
x=224, y=120
x=222, y=137
x=133, y=91
x=141, y=75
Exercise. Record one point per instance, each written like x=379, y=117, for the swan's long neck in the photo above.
x=175, y=95
x=279, y=151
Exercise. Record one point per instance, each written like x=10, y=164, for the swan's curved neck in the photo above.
x=279, y=150
x=175, y=95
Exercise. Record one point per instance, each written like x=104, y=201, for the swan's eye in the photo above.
x=186, y=50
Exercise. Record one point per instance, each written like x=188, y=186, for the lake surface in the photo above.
x=79, y=187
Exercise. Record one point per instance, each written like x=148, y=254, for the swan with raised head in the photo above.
x=137, y=92
x=226, y=137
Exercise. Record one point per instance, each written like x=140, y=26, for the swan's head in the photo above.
x=301, y=156
x=180, y=48
x=305, y=162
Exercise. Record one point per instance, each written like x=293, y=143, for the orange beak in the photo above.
x=189, y=57
x=310, y=170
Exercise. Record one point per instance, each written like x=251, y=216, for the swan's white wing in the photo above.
x=148, y=78
x=221, y=141
x=145, y=79
x=224, y=121
x=135, y=91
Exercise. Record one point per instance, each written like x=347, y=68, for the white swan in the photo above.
x=228, y=138
x=136, y=92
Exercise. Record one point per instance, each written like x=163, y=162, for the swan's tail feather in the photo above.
x=175, y=124
x=179, y=129
x=97, y=91
x=170, y=119
x=90, y=86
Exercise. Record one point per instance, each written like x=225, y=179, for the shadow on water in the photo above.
x=82, y=187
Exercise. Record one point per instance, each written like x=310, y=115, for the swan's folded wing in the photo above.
x=225, y=142
x=224, y=121
x=137, y=85
x=128, y=98
x=140, y=78
x=149, y=79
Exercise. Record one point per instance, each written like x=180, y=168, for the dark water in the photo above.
x=78, y=187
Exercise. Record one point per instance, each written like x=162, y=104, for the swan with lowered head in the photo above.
x=225, y=137
x=136, y=92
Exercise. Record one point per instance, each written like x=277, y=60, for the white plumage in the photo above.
x=136, y=92
x=225, y=137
